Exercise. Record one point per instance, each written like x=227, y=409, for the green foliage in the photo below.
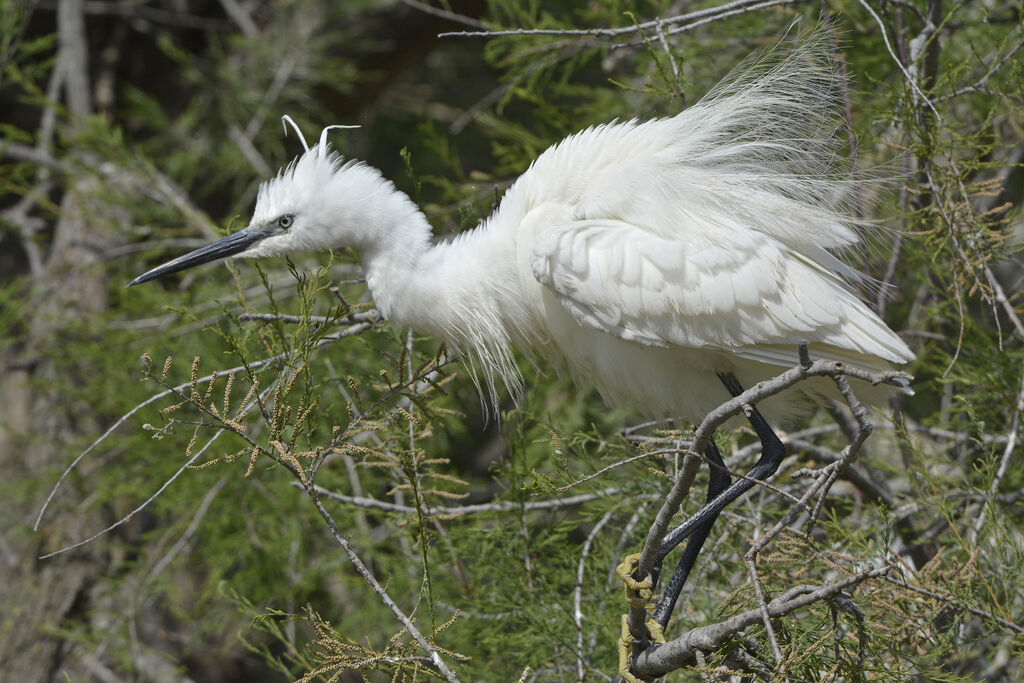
x=286, y=415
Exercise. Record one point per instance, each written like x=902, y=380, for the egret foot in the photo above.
x=654, y=633
x=639, y=593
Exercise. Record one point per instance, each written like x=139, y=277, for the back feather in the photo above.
x=713, y=229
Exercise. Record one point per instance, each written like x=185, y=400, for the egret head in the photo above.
x=291, y=215
x=302, y=208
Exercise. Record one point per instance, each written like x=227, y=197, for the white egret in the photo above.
x=666, y=262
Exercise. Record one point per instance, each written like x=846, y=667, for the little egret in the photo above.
x=668, y=263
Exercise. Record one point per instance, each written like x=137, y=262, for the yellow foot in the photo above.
x=639, y=593
x=626, y=640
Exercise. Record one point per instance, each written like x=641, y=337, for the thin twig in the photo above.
x=989, y=72
x=762, y=605
x=152, y=399
x=718, y=15
x=952, y=600
x=727, y=9
x=577, y=592
x=445, y=14
x=371, y=316
x=188, y=463
x=616, y=465
x=193, y=525
x=435, y=656
x=139, y=508
x=1004, y=462
x=1004, y=301
x=476, y=508
x=888, y=46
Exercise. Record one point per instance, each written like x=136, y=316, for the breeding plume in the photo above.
x=668, y=262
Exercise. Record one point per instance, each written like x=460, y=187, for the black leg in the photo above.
x=772, y=453
x=772, y=450
x=719, y=482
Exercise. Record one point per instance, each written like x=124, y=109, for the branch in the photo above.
x=73, y=56
x=825, y=478
x=458, y=510
x=1004, y=462
x=652, y=545
x=728, y=9
x=139, y=508
x=170, y=480
x=888, y=46
x=407, y=623
x=996, y=65
x=577, y=594
x=663, y=658
x=445, y=14
x=949, y=599
x=152, y=399
x=371, y=316
x=31, y=155
x=716, y=14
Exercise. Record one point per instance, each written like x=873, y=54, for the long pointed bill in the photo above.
x=234, y=243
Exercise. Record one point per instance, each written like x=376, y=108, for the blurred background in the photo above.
x=133, y=131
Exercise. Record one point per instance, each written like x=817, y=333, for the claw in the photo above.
x=654, y=633
x=639, y=593
x=625, y=642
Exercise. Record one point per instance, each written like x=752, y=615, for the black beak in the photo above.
x=234, y=243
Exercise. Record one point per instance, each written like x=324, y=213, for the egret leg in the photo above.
x=772, y=453
x=718, y=483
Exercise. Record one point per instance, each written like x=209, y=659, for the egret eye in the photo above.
x=285, y=221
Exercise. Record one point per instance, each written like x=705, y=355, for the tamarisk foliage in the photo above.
x=296, y=491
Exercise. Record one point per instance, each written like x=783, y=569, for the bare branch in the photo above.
x=1004, y=462
x=445, y=14
x=371, y=316
x=241, y=17
x=73, y=56
x=713, y=13
x=139, y=508
x=149, y=401
x=717, y=14
x=652, y=545
x=661, y=658
x=221, y=429
x=995, y=66
x=577, y=593
x=911, y=81
x=458, y=510
x=193, y=525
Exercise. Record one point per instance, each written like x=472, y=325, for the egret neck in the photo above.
x=460, y=291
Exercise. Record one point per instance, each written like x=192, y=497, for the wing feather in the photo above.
x=745, y=293
x=714, y=228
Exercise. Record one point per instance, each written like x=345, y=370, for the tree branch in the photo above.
x=660, y=659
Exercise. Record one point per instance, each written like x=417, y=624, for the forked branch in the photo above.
x=649, y=556
x=657, y=660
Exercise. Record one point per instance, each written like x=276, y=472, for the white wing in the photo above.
x=731, y=289
x=713, y=229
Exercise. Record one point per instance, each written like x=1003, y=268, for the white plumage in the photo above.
x=645, y=256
